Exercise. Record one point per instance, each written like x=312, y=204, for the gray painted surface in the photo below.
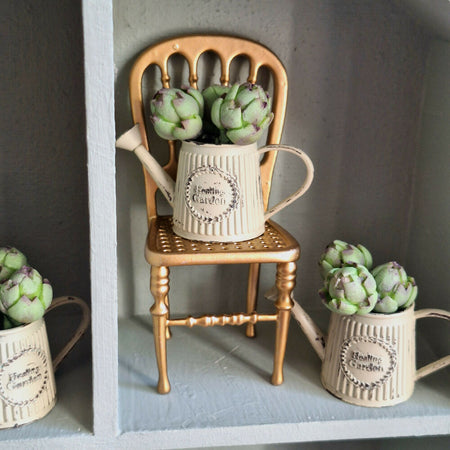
x=434, y=15
x=99, y=79
x=43, y=177
x=356, y=75
x=430, y=220
x=221, y=392
x=357, y=71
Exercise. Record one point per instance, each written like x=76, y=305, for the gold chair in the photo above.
x=165, y=249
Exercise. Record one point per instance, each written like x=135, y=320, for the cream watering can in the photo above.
x=369, y=360
x=27, y=381
x=217, y=196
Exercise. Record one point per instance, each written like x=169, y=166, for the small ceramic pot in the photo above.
x=27, y=382
x=218, y=194
x=370, y=360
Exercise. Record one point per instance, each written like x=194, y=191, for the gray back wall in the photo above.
x=43, y=177
x=356, y=71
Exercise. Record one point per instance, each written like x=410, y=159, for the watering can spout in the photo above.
x=132, y=141
x=315, y=336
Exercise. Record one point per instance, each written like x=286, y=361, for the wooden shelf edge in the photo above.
x=337, y=430
x=201, y=390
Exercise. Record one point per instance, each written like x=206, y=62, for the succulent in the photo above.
x=25, y=296
x=395, y=288
x=210, y=132
x=177, y=113
x=339, y=253
x=8, y=323
x=11, y=260
x=243, y=114
x=349, y=290
x=219, y=114
x=212, y=93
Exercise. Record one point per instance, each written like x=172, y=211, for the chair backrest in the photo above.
x=226, y=48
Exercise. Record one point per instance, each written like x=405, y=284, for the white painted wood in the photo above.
x=305, y=414
x=100, y=136
x=221, y=393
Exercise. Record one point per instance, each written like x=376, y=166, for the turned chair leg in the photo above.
x=285, y=282
x=166, y=301
x=159, y=287
x=252, y=295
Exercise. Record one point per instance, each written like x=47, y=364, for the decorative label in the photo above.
x=24, y=377
x=367, y=362
x=211, y=194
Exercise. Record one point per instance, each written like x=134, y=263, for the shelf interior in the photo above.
x=221, y=389
x=71, y=416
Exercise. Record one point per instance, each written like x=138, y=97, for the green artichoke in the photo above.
x=177, y=113
x=396, y=290
x=11, y=260
x=349, y=290
x=210, y=132
x=8, y=323
x=243, y=114
x=339, y=253
x=212, y=93
x=25, y=296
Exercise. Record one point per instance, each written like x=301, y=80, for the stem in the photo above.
x=223, y=138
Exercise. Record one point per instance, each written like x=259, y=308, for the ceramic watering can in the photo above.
x=369, y=360
x=217, y=196
x=27, y=381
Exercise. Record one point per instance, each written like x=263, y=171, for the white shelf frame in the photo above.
x=100, y=136
x=99, y=85
x=221, y=377
x=99, y=66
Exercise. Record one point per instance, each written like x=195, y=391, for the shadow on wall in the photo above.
x=362, y=68
x=356, y=75
x=43, y=174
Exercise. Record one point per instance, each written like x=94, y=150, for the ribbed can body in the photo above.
x=218, y=194
x=370, y=360
x=27, y=384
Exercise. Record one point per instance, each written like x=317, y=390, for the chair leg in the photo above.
x=285, y=283
x=166, y=301
x=159, y=287
x=252, y=295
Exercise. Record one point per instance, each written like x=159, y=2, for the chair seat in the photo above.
x=165, y=248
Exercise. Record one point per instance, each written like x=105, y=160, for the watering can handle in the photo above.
x=303, y=188
x=440, y=363
x=82, y=327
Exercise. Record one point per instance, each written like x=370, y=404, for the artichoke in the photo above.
x=212, y=93
x=177, y=113
x=25, y=296
x=349, y=290
x=8, y=323
x=339, y=253
x=210, y=132
x=396, y=290
x=11, y=260
x=243, y=114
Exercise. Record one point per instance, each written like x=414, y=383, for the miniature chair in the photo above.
x=165, y=249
